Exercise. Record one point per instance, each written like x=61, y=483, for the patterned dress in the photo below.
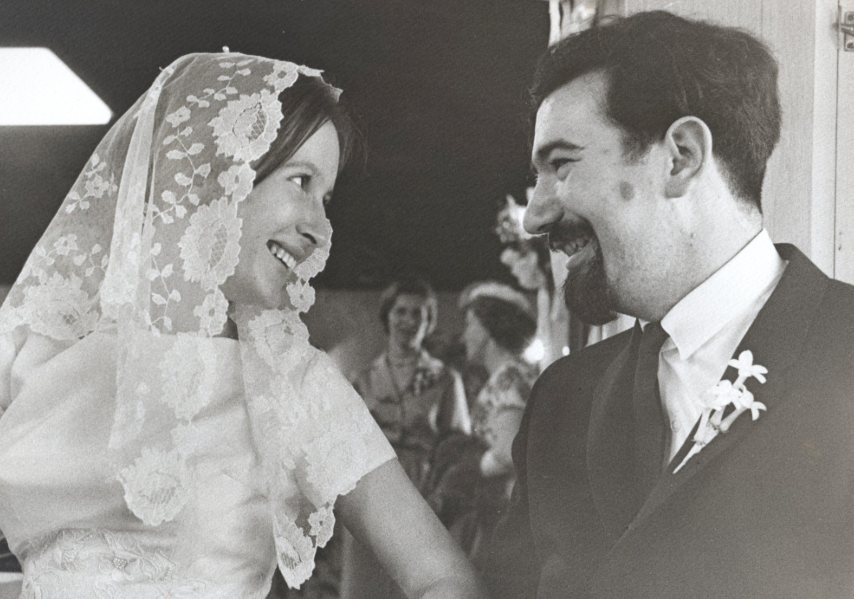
x=506, y=389
x=469, y=503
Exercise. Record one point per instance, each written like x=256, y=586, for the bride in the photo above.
x=167, y=429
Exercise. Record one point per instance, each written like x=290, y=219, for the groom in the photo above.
x=651, y=139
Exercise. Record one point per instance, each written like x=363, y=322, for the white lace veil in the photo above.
x=140, y=246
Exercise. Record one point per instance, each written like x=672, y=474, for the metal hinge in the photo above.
x=846, y=26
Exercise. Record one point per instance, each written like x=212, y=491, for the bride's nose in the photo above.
x=315, y=228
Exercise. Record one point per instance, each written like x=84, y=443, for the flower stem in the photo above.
x=731, y=418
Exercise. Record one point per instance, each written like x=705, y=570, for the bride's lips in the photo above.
x=287, y=255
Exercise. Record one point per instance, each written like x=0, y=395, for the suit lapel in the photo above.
x=775, y=338
x=610, y=442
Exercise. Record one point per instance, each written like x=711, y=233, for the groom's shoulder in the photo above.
x=836, y=304
x=581, y=370
x=834, y=316
x=840, y=297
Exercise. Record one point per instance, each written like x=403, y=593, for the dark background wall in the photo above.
x=437, y=87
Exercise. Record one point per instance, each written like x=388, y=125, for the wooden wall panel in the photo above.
x=845, y=164
x=826, y=112
x=737, y=13
x=788, y=188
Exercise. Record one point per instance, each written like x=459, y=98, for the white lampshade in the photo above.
x=39, y=89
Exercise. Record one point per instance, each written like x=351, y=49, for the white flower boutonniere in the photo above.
x=724, y=394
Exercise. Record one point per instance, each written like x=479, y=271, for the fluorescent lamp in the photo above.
x=39, y=89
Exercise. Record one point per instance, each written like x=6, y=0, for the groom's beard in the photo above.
x=586, y=290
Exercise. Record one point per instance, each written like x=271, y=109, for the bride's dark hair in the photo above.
x=307, y=106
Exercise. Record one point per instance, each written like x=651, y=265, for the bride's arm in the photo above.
x=385, y=513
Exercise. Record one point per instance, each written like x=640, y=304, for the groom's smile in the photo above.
x=596, y=203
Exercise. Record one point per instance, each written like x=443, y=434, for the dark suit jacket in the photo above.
x=765, y=510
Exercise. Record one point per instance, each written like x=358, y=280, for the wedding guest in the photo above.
x=708, y=452
x=472, y=479
x=416, y=400
x=499, y=327
x=167, y=429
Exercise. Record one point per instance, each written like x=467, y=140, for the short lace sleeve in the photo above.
x=340, y=441
x=314, y=433
x=330, y=442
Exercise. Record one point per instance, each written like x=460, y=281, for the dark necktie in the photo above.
x=650, y=436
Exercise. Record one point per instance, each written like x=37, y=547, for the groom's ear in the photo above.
x=688, y=148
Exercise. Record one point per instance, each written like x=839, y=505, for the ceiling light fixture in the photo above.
x=39, y=89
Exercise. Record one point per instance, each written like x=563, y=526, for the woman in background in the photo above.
x=471, y=481
x=167, y=429
x=499, y=326
x=416, y=400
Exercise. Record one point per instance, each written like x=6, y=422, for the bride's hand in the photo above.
x=385, y=513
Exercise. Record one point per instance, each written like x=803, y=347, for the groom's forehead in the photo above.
x=572, y=116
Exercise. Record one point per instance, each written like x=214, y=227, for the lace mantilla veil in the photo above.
x=139, y=249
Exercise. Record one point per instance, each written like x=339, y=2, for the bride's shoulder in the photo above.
x=321, y=370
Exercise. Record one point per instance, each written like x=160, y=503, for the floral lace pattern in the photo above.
x=156, y=485
x=324, y=437
x=141, y=246
x=97, y=563
x=209, y=247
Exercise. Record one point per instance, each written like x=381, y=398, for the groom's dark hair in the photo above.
x=659, y=68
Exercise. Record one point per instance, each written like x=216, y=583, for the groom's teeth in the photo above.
x=575, y=246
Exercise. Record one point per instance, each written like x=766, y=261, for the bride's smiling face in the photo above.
x=284, y=221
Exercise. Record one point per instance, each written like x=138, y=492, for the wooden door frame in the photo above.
x=844, y=167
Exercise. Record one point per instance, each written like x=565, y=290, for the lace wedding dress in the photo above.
x=142, y=455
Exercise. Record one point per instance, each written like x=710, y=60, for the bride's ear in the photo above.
x=688, y=146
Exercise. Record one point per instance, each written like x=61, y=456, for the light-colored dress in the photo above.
x=413, y=417
x=141, y=454
x=63, y=509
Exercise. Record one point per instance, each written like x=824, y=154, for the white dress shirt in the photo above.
x=705, y=328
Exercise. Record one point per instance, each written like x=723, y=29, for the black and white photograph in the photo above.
x=427, y=299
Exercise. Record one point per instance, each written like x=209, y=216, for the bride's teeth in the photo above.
x=283, y=256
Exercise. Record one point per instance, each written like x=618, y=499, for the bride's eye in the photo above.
x=301, y=180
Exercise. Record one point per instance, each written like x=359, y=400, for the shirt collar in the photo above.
x=725, y=295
